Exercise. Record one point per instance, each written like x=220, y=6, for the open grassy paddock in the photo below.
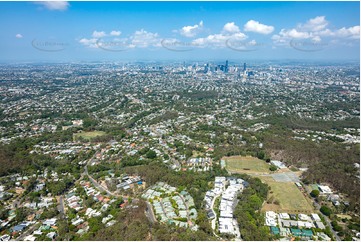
x=284, y=196
x=290, y=198
x=88, y=135
x=246, y=164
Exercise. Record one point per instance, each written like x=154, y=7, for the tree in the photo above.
x=89, y=123
x=261, y=154
x=49, y=213
x=326, y=210
x=273, y=168
x=315, y=193
x=21, y=214
x=4, y=214
x=151, y=154
x=89, y=201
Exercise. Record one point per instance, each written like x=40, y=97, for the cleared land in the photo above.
x=246, y=164
x=88, y=135
x=284, y=196
x=290, y=198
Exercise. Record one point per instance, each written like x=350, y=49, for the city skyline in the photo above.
x=130, y=31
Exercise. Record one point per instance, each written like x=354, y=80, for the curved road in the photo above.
x=93, y=181
x=215, y=216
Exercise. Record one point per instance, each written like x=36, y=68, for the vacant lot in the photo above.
x=246, y=164
x=88, y=135
x=286, y=197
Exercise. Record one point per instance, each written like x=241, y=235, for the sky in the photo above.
x=156, y=31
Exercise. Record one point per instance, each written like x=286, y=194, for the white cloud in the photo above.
x=98, y=34
x=218, y=40
x=351, y=32
x=252, y=42
x=92, y=43
x=115, y=33
x=257, y=27
x=191, y=31
x=229, y=31
x=326, y=32
x=294, y=33
x=231, y=28
x=19, y=36
x=314, y=29
x=139, y=39
x=143, y=39
x=285, y=36
x=55, y=5
x=316, y=39
x=314, y=24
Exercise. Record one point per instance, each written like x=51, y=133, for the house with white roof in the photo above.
x=325, y=189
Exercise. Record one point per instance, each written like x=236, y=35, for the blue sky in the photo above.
x=123, y=31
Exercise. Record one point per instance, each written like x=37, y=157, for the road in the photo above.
x=150, y=213
x=328, y=221
x=27, y=232
x=215, y=216
x=93, y=181
x=161, y=204
x=18, y=201
x=318, y=207
x=61, y=207
x=184, y=202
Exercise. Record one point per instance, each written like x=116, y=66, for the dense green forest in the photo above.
x=247, y=212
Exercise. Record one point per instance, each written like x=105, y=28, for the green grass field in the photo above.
x=88, y=135
x=245, y=164
x=290, y=198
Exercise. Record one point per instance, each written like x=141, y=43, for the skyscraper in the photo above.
x=206, y=68
x=226, y=67
x=244, y=67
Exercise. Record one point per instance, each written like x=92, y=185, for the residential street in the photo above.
x=94, y=182
x=318, y=207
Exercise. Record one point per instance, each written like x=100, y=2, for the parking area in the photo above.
x=285, y=177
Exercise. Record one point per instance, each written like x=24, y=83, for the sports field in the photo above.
x=88, y=135
x=290, y=198
x=246, y=164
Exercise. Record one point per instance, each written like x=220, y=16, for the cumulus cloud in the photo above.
x=191, y=31
x=351, y=32
x=316, y=39
x=115, y=33
x=139, y=39
x=19, y=36
x=98, y=34
x=143, y=39
x=231, y=28
x=257, y=27
x=315, y=29
x=294, y=33
x=55, y=5
x=314, y=24
x=92, y=42
x=229, y=31
x=252, y=42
